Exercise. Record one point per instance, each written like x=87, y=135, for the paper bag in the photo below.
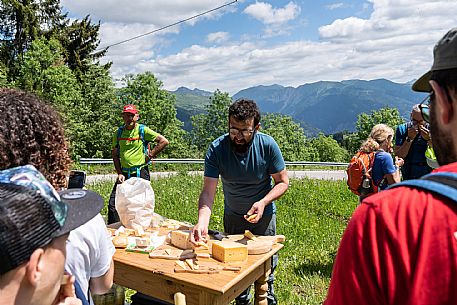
x=135, y=202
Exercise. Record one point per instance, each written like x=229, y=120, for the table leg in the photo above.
x=261, y=286
x=179, y=298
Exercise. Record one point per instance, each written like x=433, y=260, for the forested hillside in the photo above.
x=44, y=52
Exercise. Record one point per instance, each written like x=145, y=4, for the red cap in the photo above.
x=130, y=109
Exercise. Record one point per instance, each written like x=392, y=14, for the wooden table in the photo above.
x=156, y=277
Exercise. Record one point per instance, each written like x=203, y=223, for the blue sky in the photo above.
x=253, y=43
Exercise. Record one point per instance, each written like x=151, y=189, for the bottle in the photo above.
x=366, y=183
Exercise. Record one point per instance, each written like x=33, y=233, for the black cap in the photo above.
x=32, y=213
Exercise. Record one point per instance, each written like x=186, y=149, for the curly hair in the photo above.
x=244, y=109
x=31, y=132
x=378, y=135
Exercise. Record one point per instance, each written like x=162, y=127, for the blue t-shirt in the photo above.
x=415, y=164
x=416, y=153
x=245, y=177
x=382, y=164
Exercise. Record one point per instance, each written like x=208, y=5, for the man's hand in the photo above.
x=66, y=295
x=399, y=161
x=257, y=208
x=199, y=233
x=120, y=178
x=425, y=133
x=412, y=132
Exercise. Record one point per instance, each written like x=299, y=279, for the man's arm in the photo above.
x=117, y=164
x=281, y=180
x=162, y=142
x=205, y=205
x=101, y=284
x=403, y=149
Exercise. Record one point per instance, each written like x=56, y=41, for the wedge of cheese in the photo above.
x=229, y=251
x=180, y=239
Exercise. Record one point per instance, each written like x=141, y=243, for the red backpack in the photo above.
x=359, y=169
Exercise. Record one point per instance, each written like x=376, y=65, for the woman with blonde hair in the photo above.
x=384, y=171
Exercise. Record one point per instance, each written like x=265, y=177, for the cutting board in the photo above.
x=262, y=244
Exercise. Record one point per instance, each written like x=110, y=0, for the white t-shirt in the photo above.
x=89, y=251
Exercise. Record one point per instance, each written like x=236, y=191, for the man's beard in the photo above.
x=443, y=144
x=240, y=147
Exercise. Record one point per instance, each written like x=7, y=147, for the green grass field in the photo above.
x=312, y=215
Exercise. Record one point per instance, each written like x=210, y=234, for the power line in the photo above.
x=167, y=26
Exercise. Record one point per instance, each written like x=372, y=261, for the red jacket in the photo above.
x=400, y=247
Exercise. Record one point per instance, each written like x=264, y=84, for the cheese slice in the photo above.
x=120, y=241
x=142, y=242
x=138, y=230
x=229, y=251
x=180, y=239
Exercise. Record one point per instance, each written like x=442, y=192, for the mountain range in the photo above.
x=323, y=106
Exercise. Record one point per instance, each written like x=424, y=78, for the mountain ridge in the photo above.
x=326, y=106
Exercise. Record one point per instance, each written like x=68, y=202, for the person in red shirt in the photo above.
x=400, y=246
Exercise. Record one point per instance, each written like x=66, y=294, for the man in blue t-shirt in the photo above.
x=411, y=141
x=247, y=161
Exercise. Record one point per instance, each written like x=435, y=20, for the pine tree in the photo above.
x=23, y=21
x=80, y=42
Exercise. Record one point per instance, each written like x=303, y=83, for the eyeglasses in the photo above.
x=424, y=107
x=245, y=132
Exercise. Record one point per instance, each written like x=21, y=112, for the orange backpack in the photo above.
x=359, y=180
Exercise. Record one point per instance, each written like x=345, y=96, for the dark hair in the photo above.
x=445, y=78
x=244, y=109
x=31, y=132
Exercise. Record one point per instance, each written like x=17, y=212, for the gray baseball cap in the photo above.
x=444, y=57
x=32, y=213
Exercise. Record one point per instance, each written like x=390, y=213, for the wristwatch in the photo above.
x=408, y=139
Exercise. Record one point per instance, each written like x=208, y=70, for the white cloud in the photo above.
x=265, y=12
x=157, y=12
x=394, y=42
x=335, y=6
x=218, y=37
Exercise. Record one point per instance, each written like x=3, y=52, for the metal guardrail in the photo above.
x=90, y=161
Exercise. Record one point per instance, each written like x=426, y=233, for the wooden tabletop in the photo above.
x=156, y=277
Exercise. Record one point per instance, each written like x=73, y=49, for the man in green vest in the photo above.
x=131, y=152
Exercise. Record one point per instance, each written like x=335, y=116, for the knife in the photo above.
x=216, y=234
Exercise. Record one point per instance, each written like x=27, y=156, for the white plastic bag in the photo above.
x=135, y=202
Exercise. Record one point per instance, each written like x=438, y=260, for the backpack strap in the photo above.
x=141, y=132
x=366, y=172
x=80, y=294
x=442, y=183
x=119, y=134
x=145, y=144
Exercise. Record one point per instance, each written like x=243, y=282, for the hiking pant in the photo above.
x=236, y=224
x=113, y=216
